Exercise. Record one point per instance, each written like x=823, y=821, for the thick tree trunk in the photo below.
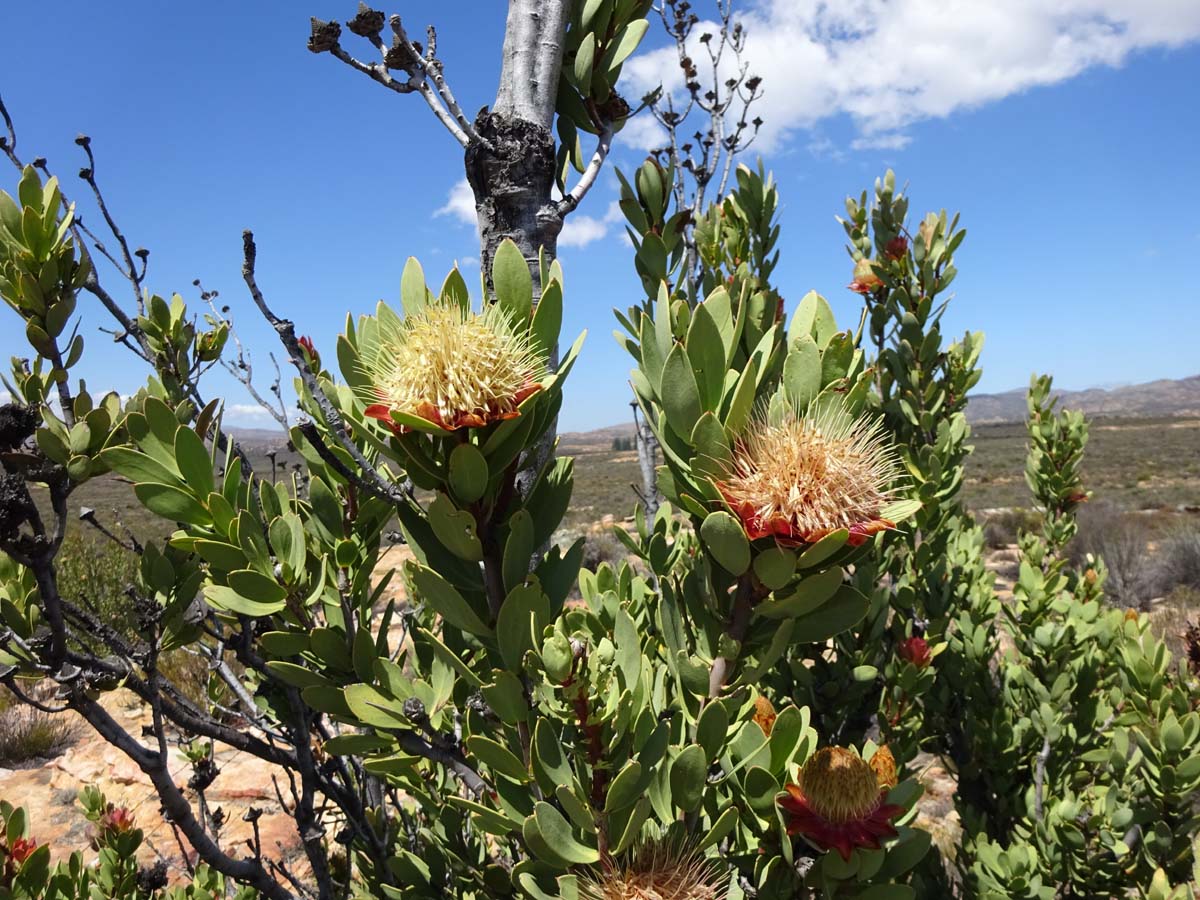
x=513, y=178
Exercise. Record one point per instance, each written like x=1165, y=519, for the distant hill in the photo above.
x=1165, y=398
x=1154, y=399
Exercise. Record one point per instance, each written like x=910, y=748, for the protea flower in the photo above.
x=916, y=651
x=658, y=871
x=805, y=477
x=452, y=367
x=865, y=278
x=21, y=849
x=839, y=803
x=114, y=821
x=897, y=246
x=764, y=714
x=883, y=764
x=310, y=351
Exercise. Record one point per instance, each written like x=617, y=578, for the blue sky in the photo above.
x=1067, y=139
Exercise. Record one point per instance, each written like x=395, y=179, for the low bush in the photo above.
x=1108, y=533
x=28, y=734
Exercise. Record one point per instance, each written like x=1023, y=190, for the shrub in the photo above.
x=1179, y=559
x=30, y=735
x=1107, y=533
x=1001, y=529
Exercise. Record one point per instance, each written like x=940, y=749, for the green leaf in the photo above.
x=823, y=549
x=296, y=675
x=802, y=372
x=468, y=473
x=455, y=528
x=194, y=462
x=725, y=539
x=723, y=826
x=506, y=698
x=775, y=566
x=518, y=549
x=711, y=729
x=627, y=41
x=284, y=643
x=413, y=291
x=547, y=319
x=513, y=283
x=490, y=820
x=172, y=503
x=559, y=834
x=224, y=557
x=680, y=393
x=625, y=788
x=585, y=58
x=814, y=317
x=688, y=776
x=633, y=825
x=706, y=352
x=497, y=757
x=522, y=610
x=549, y=761
x=228, y=600
x=446, y=600
x=843, y=612
x=256, y=586
x=809, y=595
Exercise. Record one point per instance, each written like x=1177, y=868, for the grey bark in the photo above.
x=511, y=169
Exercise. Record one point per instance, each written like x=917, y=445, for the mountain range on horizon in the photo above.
x=1164, y=398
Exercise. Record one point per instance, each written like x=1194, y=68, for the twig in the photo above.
x=1039, y=777
x=413, y=743
x=333, y=419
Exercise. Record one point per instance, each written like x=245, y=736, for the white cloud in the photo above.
x=5, y=397
x=890, y=63
x=460, y=203
x=579, y=230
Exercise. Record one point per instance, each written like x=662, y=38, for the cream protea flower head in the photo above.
x=798, y=478
x=840, y=802
x=451, y=366
x=658, y=871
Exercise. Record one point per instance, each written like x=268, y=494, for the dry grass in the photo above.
x=28, y=735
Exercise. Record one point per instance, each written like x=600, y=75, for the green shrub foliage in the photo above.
x=740, y=708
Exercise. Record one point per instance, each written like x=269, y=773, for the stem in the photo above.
x=739, y=624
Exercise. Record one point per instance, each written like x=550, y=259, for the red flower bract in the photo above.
x=839, y=804
x=916, y=651
x=22, y=849
x=478, y=418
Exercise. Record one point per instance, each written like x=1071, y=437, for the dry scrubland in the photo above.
x=1135, y=464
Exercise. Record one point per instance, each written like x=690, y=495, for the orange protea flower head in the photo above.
x=838, y=803
x=451, y=366
x=800, y=478
x=764, y=714
x=658, y=871
x=883, y=764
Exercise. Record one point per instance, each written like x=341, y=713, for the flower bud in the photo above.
x=865, y=278
x=915, y=650
x=897, y=247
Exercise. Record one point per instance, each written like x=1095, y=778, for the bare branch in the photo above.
x=573, y=199
x=405, y=56
x=176, y=808
x=333, y=419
